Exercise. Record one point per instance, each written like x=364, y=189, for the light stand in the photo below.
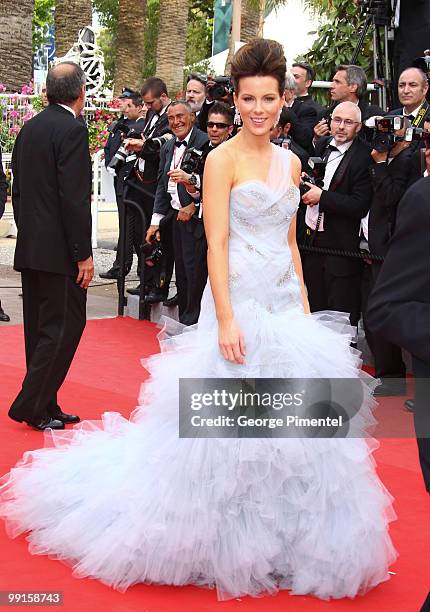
x=378, y=18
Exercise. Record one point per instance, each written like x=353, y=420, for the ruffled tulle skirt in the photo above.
x=133, y=502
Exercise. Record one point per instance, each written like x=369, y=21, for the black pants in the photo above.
x=388, y=357
x=422, y=415
x=327, y=291
x=190, y=254
x=54, y=319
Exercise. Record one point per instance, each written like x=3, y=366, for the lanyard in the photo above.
x=176, y=164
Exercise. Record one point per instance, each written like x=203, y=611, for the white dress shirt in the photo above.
x=172, y=187
x=68, y=109
x=333, y=162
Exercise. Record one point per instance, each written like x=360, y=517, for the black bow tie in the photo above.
x=332, y=147
x=179, y=143
x=410, y=117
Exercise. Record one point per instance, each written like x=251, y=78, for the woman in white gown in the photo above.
x=132, y=502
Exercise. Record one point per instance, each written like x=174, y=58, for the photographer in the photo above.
x=119, y=162
x=177, y=199
x=391, y=174
x=349, y=85
x=219, y=89
x=333, y=215
x=142, y=178
x=281, y=135
x=195, y=93
x=305, y=115
x=3, y=197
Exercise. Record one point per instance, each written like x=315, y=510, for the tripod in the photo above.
x=378, y=19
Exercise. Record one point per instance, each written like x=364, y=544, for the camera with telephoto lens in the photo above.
x=193, y=161
x=118, y=160
x=316, y=176
x=223, y=87
x=152, y=146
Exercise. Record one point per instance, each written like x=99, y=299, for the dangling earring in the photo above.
x=237, y=117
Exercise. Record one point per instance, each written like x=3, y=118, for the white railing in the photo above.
x=101, y=199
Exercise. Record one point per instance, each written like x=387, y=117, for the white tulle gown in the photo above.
x=128, y=501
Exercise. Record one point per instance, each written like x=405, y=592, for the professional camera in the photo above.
x=384, y=134
x=282, y=141
x=193, y=161
x=154, y=252
x=118, y=125
x=152, y=146
x=223, y=87
x=316, y=177
x=118, y=160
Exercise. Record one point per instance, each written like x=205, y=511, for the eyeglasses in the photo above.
x=347, y=122
x=218, y=124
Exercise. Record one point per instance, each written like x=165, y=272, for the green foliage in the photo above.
x=43, y=17
x=337, y=37
x=151, y=35
x=199, y=34
x=106, y=41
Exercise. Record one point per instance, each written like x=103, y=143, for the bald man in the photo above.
x=334, y=213
x=412, y=89
x=52, y=207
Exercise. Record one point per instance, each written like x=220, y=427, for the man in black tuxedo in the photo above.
x=135, y=112
x=334, y=214
x=391, y=175
x=399, y=306
x=304, y=75
x=349, y=85
x=3, y=197
x=304, y=115
x=52, y=207
x=178, y=197
x=142, y=179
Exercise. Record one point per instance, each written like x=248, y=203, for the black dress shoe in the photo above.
x=3, y=316
x=173, y=301
x=410, y=405
x=388, y=388
x=134, y=290
x=67, y=419
x=111, y=274
x=155, y=296
x=46, y=423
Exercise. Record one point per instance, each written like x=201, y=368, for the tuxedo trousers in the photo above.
x=387, y=356
x=330, y=291
x=422, y=415
x=191, y=270
x=54, y=309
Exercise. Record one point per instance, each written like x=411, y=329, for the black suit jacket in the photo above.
x=163, y=199
x=399, y=306
x=390, y=182
x=305, y=117
x=345, y=203
x=51, y=194
x=3, y=188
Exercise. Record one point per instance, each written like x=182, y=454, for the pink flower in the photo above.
x=2, y=88
x=13, y=114
x=14, y=130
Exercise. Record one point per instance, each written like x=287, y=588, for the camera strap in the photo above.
x=419, y=119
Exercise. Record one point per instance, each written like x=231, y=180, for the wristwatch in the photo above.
x=192, y=180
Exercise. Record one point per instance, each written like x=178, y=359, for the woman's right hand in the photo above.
x=231, y=341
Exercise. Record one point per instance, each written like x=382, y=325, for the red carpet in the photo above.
x=106, y=375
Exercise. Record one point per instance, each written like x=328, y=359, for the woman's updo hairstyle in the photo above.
x=259, y=57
